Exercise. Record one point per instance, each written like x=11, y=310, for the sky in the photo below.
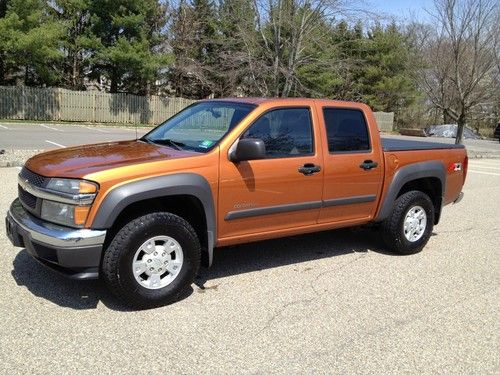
x=403, y=8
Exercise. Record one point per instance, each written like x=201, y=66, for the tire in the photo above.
x=132, y=265
x=410, y=208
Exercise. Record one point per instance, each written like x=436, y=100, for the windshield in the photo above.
x=200, y=126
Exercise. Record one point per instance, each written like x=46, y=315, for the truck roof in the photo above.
x=258, y=101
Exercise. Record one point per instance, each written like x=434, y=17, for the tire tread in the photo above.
x=116, y=249
x=391, y=233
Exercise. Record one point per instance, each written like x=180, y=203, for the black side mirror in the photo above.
x=248, y=149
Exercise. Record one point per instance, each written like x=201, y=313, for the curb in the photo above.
x=472, y=155
x=9, y=164
x=16, y=158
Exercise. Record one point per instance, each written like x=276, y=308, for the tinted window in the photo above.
x=346, y=130
x=286, y=132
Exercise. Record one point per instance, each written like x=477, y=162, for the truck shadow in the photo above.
x=49, y=285
x=229, y=261
x=256, y=256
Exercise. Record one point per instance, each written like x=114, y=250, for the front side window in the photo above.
x=346, y=130
x=286, y=132
x=200, y=126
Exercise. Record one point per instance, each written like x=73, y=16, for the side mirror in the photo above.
x=248, y=149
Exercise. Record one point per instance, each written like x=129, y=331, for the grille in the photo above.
x=33, y=178
x=26, y=198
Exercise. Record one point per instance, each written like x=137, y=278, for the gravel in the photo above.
x=16, y=158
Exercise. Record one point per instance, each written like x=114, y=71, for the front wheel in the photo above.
x=152, y=260
x=409, y=227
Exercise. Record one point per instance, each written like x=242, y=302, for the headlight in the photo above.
x=65, y=214
x=69, y=186
x=68, y=202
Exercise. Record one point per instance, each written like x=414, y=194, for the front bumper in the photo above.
x=76, y=253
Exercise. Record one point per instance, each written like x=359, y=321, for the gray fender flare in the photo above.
x=409, y=173
x=156, y=187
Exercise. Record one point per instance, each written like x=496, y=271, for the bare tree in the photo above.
x=285, y=31
x=462, y=66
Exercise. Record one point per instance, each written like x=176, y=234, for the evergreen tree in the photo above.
x=335, y=63
x=236, y=35
x=125, y=43
x=30, y=43
x=386, y=82
x=194, y=43
x=3, y=56
x=74, y=16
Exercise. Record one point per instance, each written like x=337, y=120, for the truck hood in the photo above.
x=82, y=160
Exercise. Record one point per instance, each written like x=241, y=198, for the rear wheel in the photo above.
x=409, y=227
x=152, y=260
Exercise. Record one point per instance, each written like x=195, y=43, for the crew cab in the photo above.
x=145, y=214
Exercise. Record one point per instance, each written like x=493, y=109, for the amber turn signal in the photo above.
x=87, y=187
x=81, y=213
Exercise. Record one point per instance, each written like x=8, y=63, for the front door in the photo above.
x=281, y=191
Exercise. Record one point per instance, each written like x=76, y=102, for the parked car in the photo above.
x=144, y=214
x=449, y=131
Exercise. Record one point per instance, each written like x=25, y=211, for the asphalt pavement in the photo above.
x=476, y=148
x=334, y=302
x=21, y=140
x=41, y=136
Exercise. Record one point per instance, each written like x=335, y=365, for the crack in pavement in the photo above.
x=284, y=307
x=409, y=320
x=336, y=269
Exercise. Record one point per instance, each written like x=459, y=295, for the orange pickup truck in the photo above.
x=145, y=214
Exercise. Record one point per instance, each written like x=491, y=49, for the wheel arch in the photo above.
x=428, y=177
x=185, y=194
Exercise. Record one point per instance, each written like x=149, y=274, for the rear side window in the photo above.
x=346, y=130
x=286, y=132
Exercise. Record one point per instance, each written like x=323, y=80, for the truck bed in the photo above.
x=393, y=144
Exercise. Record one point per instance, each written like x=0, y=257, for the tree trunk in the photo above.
x=114, y=81
x=460, y=129
x=2, y=71
x=447, y=119
x=74, y=74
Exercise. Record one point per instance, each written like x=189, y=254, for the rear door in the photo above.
x=275, y=193
x=352, y=165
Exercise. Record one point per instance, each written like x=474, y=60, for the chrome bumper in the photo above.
x=74, y=252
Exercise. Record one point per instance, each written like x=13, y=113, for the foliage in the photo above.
x=219, y=48
x=30, y=43
x=123, y=43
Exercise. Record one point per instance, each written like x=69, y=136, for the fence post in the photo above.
x=151, y=109
x=59, y=103
x=93, y=106
x=23, y=96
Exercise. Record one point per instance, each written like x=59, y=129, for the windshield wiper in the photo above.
x=167, y=142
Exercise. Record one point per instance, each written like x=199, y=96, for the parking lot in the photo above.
x=21, y=140
x=333, y=302
x=40, y=136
